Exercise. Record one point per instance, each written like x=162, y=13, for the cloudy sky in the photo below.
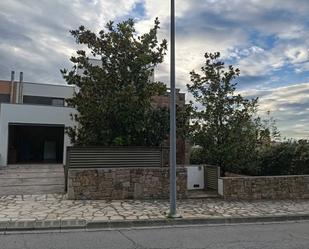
x=267, y=39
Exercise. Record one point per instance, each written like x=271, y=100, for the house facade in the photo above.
x=33, y=117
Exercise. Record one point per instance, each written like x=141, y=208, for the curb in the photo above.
x=32, y=224
x=193, y=221
x=70, y=224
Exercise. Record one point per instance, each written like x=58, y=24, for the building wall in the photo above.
x=5, y=91
x=265, y=187
x=164, y=100
x=37, y=89
x=124, y=183
x=47, y=90
x=5, y=87
x=31, y=114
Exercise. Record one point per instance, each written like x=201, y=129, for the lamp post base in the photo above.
x=174, y=216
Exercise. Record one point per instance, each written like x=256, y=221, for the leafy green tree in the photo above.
x=196, y=155
x=226, y=125
x=114, y=99
x=276, y=160
x=289, y=157
x=300, y=164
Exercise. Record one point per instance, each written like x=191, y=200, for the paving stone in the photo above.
x=131, y=218
x=38, y=211
x=118, y=217
x=102, y=218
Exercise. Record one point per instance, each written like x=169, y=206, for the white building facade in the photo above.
x=33, y=118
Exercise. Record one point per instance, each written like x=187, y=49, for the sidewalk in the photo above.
x=54, y=211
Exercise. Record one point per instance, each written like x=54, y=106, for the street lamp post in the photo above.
x=173, y=190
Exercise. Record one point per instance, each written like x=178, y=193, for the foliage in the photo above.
x=300, y=162
x=286, y=158
x=114, y=99
x=226, y=125
x=196, y=155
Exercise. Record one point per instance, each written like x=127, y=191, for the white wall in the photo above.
x=47, y=90
x=31, y=114
x=220, y=186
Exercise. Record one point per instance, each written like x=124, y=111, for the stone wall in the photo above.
x=124, y=183
x=265, y=187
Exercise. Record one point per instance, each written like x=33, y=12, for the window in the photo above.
x=58, y=102
x=4, y=98
x=38, y=100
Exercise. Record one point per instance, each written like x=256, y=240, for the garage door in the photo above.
x=32, y=143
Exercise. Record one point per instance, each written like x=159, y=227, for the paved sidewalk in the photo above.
x=52, y=208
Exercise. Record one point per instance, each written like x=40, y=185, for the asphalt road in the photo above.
x=271, y=235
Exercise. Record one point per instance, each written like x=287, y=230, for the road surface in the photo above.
x=271, y=235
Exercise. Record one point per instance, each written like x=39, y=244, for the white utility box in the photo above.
x=195, y=177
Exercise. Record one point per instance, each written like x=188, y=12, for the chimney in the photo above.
x=12, y=87
x=21, y=86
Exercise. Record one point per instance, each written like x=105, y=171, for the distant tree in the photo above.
x=300, y=163
x=289, y=157
x=226, y=125
x=114, y=99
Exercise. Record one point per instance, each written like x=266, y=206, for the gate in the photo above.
x=212, y=174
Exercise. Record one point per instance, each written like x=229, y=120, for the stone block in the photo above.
x=47, y=224
x=4, y=223
x=22, y=224
x=67, y=223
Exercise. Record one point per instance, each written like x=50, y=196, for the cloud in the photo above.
x=260, y=38
x=261, y=62
x=303, y=67
x=297, y=54
x=35, y=37
x=268, y=40
x=201, y=26
x=198, y=30
x=289, y=106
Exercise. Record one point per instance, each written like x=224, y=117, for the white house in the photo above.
x=33, y=117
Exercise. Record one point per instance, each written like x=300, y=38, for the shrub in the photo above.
x=286, y=158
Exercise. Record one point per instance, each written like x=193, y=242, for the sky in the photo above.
x=267, y=40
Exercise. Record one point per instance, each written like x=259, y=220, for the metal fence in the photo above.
x=212, y=174
x=107, y=157
x=113, y=157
